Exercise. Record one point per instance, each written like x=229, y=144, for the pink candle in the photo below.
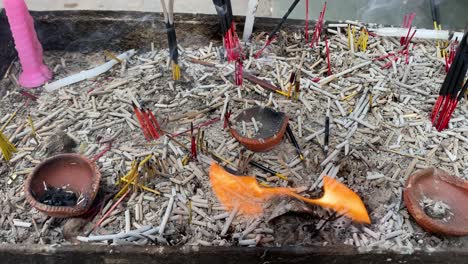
x=34, y=72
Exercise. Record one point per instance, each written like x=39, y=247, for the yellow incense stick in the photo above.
x=353, y=34
x=444, y=44
x=186, y=159
x=142, y=187
x=9, y=120
x=364, y=38
x=290, y=88
x=125, y=187
x=200, y=141
x=130, y=172
x=349, y=36
x=439, y=52
x=175, y=71
x=112, y=56
x=349, y=96
x=33, y=129
x=189, y=205
x=31, y=124
x=282, y=93
x=132, y=176
x=281, y=176
x=222, y=159
x=359, y=41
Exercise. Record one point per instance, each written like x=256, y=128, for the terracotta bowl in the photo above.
x=75, y=172
x=437, y=185
x=270, y=133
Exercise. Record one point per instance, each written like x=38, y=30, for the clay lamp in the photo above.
x=65, y=176
x=438, y=202
x=271, y=128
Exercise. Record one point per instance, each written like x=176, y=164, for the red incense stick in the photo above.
x=328, y=56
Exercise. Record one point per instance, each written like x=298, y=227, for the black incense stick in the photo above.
x=285, y=17
x=171, y=38
x=452, y=88
x=327, y=129
x=294, y=142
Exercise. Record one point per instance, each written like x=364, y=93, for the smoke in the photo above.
x=392, y=11
x=113, y=28
x=377, y=6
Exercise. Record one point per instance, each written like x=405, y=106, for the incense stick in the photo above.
x=266, y=169
x=273, y=33
x=327, y=129
x=171, y=38
x=294, y=142
x=452, y=89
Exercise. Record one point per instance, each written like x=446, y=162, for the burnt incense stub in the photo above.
x=259, y=128
x=438, y=202
x=58, y=196
x=63, y=186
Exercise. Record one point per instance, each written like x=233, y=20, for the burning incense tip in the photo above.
x=245, y=193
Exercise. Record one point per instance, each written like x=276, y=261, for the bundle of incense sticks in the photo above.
x=133, y=178
x=148, y=123
x=452, y=90
x=361, y=42
x=274, y=32
x=404, y=41
x=294, y=85
x=171, y=38
x=407, y=23
x=318, y=27
x=231, y=40
x=7, y=147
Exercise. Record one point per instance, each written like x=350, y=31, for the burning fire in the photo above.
x=245, y=193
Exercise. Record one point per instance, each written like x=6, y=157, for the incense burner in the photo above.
x=438, y=202
x=269, y=134
x=71, y=171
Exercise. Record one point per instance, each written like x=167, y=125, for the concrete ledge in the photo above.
x=87, y=254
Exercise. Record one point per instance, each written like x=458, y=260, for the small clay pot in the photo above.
x=75, y=172
x=270, y=133
x=437, y=185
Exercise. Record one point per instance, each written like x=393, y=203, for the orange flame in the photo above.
x=245, y=193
